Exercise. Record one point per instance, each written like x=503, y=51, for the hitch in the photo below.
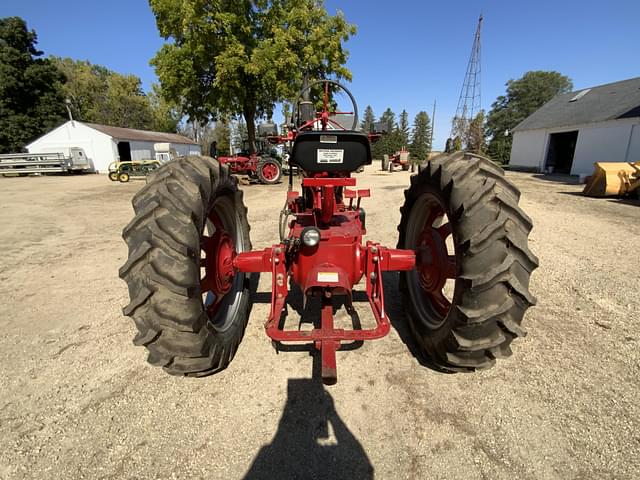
x=327, y=339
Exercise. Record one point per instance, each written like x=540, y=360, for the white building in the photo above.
x=573, y=131
x=104, y=144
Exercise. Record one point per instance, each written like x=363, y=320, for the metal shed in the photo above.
x=104, y=144
x=572, y=131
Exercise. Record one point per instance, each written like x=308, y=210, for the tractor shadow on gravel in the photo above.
x=312, y=441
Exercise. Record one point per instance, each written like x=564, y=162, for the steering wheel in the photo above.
x=325, y=114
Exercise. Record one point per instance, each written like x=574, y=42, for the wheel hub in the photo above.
x=431, y=260
x=219, y=262
x=269, y=171
x=219, y=252
x=434, y=263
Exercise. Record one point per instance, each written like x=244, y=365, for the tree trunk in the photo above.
x=249, y=112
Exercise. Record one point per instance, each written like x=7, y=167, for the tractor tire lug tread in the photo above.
x=492, y=295
x=163, y=271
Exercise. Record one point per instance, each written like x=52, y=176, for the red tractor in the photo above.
x=190, y=256
x=398, y=159
x=260, y=165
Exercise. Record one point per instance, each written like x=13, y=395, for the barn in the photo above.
x=104, y=144
x=572, y=131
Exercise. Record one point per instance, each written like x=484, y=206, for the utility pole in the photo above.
x=433, y=126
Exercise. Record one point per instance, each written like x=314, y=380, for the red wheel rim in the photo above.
x=434, y=263
x=269, y=171
x=219, y=252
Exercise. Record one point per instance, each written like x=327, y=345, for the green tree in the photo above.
x=474, y=138
x=388, y=120
x=222, y=135
x=85, y=86
x=165, y=115
x=403, y=128
x=391, y=141
x=125, y=104
x=239, y=57
x=369, y=120
x=421, y=137
x=99, y=95
x=459, y=132
x=31, y=99
x=523, y=97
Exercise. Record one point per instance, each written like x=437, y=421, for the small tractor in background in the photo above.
x=462, y=255
x=124, y=171
x=261, y=165
x=398, y=159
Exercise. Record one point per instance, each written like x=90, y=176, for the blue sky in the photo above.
x=405, y=55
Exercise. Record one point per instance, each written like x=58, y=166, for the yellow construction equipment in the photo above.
x=613, y=179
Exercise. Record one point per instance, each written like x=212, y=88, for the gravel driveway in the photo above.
x=77, y=399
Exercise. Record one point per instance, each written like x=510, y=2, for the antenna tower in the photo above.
x=469, y=102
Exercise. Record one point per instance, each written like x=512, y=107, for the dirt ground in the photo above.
x=77, y=399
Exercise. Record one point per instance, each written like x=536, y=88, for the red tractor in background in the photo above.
x=262, y=165
x=190, y=257
x=398, y=159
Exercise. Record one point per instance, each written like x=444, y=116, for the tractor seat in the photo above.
x=331, y=151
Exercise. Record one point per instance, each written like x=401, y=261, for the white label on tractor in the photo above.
x=328, y=139
x=330, y=156
x=328, y=277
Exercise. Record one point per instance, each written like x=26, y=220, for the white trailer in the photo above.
x=71, y=159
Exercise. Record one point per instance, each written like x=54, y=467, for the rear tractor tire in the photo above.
x=123, y=177
x=470, y=289
x=188, y=304
x=269, y=171
x=385, y=163
x=113, y=176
